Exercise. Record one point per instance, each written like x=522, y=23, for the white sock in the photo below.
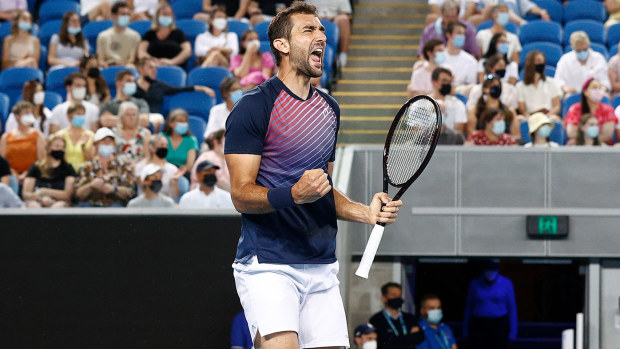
x=342, y=59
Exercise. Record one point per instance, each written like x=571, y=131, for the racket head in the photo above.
x=410, y=142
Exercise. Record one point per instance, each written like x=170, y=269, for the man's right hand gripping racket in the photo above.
x=409, y=145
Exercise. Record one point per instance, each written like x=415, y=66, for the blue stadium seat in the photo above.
x=616, y=102
x=4, y=108
x=541, y=31
x=553, y=7
x=209, y=76
x=511, y=27
x=600, y=48
x=52, y=99
x=55, y=81
x=594, y=29
x=613, y=50
x=186, y=9
x=261, y=29
x=553, y=52
x=584, y=9
x=265, y=46
x=194, y=103
x=92, y=29
x=141, y=26
x=557, y=135
x=332, y=32
x=192, y=29
x=613, y=35
x=12, y=80
x=109, y=75
x=328, y=61
x=549, y=71
x=51, y=10
x=237, y=27
x=43, y=58
x=568, y=102
x=5, y=29
x=172, y=75
x=463, y=98
x=197, y=125
x=47, y=30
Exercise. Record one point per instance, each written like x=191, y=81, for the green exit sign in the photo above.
x=547, y=227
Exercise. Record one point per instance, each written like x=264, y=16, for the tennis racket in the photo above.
x=409, y=146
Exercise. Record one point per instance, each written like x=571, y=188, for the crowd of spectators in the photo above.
x=473, y=52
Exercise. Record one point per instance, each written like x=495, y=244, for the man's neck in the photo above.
x=496, y=28
x=393, y=312
x=437, y=95
x=229, y=104
x=121, y=96
x=149, y=194
x=298, y=83
x=453, y=50
x=206, y=189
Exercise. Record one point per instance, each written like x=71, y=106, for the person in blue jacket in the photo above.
x=438, y=335
x=490, y=310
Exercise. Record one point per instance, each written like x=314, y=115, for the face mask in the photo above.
x=459, y=41
x=122, y=21
x=28, y=119
x=156, y=186
x=540, y=68
x=93, y=72
x=38, y=98
x=503, y=48
x=236, y=95
x=370, y=345
x=592, y=132
x=130, y=88
x=395, y=303
x=582, y=55
x=57, y=154
x=74, y=30
x=209, y=180
x=499, y=127
x=181, y=128
x=596, y=95
x=503, y=18
x=544, y=131
x=79, y=93
x=105, y=150
x=440, y=57
x=220, y=23
x=491, y=275
x=161, y=152
x=254, y=43
x=501, y=73
x=78, y=120
x=445, y=89
x=164, y=21
x=24, y=26
x=495, y=91
x=434, y=316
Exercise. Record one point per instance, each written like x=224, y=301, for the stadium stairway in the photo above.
x=372, y=87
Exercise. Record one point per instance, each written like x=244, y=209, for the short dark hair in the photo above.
x=142, y=61
x=384, y=288
x=226, y=84
x=438, y=71
x=20, y=106
x=75, y=75
x=121, y=74
x=428, y=297
x=244, y=36
x=281, y=25
x=487, y=116
x=430, y=46
x=452, y=25
x=117, y=6
x=219, y=134
x=172, y=116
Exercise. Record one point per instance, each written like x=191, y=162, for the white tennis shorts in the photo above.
x=304, y=298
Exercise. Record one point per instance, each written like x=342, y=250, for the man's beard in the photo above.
x=302, y=62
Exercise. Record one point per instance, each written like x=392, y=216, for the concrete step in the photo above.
x=391, y=9
x=361, y=137
x=369, y=109
x=390, y=2
x=378, y=123
x=357, y=39
x=384, y=73
x=344, y=85
x=384, y=50
x=396, y=19
x=378, y=62
x=385, y=29
x=350, y=97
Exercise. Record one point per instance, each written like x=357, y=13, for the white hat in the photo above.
x=103, y=133
x=148, y=170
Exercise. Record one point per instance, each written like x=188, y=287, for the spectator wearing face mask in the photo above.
x=500, y=15
x=97, y=91
x=182, y=145
x=437, y=29
x=493, y=130
x=592, y=95
x=438, y=335
x=151, y=183
x=33, y=92
x=498, y=46
x=78, y=140
x=174, y=184
x=215, y=46
x=131, y=138
x=215, y=141
x=68, y=46
x=462, y=64
x=75, y=84
x=126, y=88
x=25, y=144
x=164, y=42
x=50, y=182
x=365, y=336
x=250, y=65
x=434, y=55
x=395, y=329
x=490, y=310
x=588, y=131
x=117, y=45
x=454, y=115
x=491, y=99
x=540, y=127
x=580, y=64
x=231, y=92
x=106, y=180
x=537, y=92
x=207, y=195
x=21, y=48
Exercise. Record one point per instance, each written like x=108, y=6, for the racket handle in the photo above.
x=371, y=250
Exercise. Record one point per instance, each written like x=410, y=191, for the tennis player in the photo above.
x=280, y=145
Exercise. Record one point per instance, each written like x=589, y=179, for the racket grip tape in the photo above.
x=371, y=250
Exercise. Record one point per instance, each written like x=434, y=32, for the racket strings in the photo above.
x=411, y=141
